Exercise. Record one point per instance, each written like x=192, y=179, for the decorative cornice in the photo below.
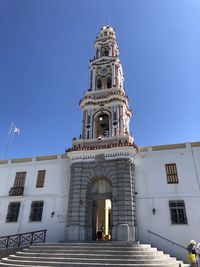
x=3, y=161
x=46, y=157
x=164, y=147
x=107, y=97
x=168, y=147
x=21, y=160
x=195, y=144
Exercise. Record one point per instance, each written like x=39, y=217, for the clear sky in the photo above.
x=45, y=47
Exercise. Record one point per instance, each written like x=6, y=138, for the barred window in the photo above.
x=13, y=212
x=20, y=179
x=177, y=211
x=36, y=211
x=172, y=175
x=40, y=178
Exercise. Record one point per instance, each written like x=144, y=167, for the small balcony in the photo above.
x=16, y=191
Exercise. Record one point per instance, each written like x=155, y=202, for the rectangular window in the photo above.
x=20, y=179
x=172, y=175
x=177, y=211
x=18, y=187
x=13, y=212
x=36, y=211
x=40, y=178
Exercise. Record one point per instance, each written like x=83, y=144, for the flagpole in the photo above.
x=9, y=139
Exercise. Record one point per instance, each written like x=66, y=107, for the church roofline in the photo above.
x=168, y=146
x=32, y=159
x=140, y=149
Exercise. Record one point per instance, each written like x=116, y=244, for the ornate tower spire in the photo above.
x=106, y=113
x=102, y=183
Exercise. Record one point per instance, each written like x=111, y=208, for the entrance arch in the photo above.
x=99, y=194
x=99, y=180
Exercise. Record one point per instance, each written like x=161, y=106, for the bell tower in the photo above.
x=106, y=113
x=102, y=183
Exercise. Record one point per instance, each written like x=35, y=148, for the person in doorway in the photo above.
x=102, y=230
x=192, y=253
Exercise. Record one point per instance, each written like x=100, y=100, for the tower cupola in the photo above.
x=105, y=43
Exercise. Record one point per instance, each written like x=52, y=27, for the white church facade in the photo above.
x=146, y=194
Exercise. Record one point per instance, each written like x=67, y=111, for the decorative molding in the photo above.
x=165, y=147
x=21, y=160
x=3, y=161
x=142, y=149
x=46, y=157
x=195, y=144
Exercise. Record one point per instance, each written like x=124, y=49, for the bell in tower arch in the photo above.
x=105, y=51
x=102, y=126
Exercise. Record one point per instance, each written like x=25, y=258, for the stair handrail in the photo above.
x=23, y=239
x=174, y=243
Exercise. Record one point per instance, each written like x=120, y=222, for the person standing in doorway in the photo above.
x=102, y=230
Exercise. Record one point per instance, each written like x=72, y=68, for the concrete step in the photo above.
x=150, y=255
x=91, y=260
x=93, y=245
x=48, y=264
x=85, y=252
x=86, y=248
x=82, y=251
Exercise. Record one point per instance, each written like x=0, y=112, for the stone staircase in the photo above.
x=91, y=254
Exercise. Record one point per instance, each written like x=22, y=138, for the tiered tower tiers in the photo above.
x=106, y=114
x=102, y=184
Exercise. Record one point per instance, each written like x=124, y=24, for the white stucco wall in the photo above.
x=54, y=194
x=153, y=191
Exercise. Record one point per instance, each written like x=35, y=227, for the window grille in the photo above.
x=36, y=211
x=177, y=211
x=172, y=175
x=20, y=179
x=40, y=178
x=13, y=212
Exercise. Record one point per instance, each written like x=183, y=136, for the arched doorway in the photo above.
x=92, y=183
x=100, y=209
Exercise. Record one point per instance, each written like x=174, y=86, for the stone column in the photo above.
x=93, y=79
x=113, y=75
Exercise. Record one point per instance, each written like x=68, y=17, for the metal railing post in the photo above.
x=7, y=243
x=32, y=238
x=45, y=233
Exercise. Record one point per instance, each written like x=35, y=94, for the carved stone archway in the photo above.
x=120, y=174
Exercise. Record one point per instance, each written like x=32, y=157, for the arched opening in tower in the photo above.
x=102, y=126
x=105, y=51
x=99, y=84
x=109, y=83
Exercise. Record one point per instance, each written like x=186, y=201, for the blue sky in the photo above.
x=45, y=49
